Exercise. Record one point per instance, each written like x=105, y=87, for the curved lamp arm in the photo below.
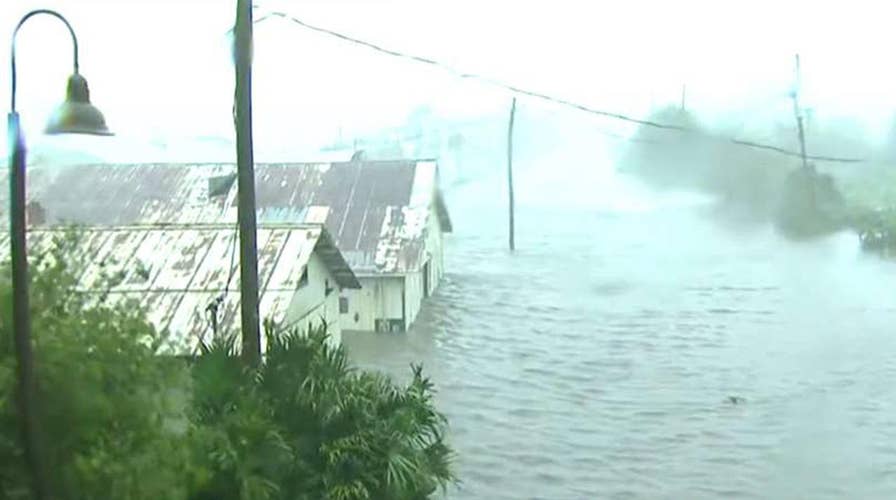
x=13, y=56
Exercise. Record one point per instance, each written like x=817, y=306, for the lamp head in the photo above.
x=76, y=115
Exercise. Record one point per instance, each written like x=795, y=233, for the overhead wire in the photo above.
x=549, y=98
x=212, y=309
x=213, y=306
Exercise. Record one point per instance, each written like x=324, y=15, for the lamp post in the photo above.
x=74, y=116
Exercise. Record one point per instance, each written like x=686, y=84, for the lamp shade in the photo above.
x=76, y=115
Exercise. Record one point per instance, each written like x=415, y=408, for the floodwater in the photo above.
x=597, y=361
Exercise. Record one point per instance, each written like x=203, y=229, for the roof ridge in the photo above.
x=176, y=226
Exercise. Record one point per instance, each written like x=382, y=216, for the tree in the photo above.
x=669, y=158
x=750, y=181
x=106, y=405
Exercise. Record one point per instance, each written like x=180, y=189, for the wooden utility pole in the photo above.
x=510, y=171
x=798, y=114
x=251, y=334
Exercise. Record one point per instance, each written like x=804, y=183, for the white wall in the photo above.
x=380, y=297
x=361, y=306
x=435, y=249
x=310, y=302
x=413, y=296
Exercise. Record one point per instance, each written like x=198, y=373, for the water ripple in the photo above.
x=607, y=373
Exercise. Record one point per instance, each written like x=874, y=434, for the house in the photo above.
x=191, y=289
x=386, y=217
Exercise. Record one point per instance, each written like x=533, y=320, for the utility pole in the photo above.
x=510, y=170
x=251, y=335
x=684, y=92
x=798, y=114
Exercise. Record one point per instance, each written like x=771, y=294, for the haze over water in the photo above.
x=597, y=361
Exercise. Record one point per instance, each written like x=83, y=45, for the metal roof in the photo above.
x=177, y=285
x=377, y=210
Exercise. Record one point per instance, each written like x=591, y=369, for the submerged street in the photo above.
x=599, y=360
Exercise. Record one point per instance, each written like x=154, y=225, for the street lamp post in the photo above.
x=74, y=116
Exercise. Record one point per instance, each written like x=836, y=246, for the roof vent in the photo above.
x=35, y=215
x=220, y=185
x=316, y=214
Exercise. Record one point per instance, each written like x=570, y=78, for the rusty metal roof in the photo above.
x=377, y=210
x=176, y=271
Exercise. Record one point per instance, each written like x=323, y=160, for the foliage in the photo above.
x=106, y=412
x=870, y=194
x=769, y=186
x=121, y=422
x=869, y=187
x=877, y=229
x=305, y=425
x=668, y=158
x=810, y=204
x=674, y=159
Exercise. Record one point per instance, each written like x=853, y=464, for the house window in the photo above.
x=327, y=288
x=388, y=325
x=343, y=305
x=303, y=281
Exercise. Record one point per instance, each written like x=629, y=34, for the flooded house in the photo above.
x=187, y=276
x=387, y=218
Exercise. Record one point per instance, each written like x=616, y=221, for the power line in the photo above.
x=546, y=97
x=213, y=307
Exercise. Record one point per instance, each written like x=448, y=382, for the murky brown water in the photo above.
x=596, y=361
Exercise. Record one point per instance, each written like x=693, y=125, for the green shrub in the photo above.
x=105, y=405
x=307, y=426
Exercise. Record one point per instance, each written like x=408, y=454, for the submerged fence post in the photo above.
x=510, y=171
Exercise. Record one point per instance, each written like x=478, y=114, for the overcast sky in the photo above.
x=161, y=70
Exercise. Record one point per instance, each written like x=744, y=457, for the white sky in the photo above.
x=161, y=70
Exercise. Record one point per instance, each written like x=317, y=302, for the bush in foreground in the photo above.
x=305, y=425
x=103, y=394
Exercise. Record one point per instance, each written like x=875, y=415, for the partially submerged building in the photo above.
x=387, y=218
x=187, y=276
